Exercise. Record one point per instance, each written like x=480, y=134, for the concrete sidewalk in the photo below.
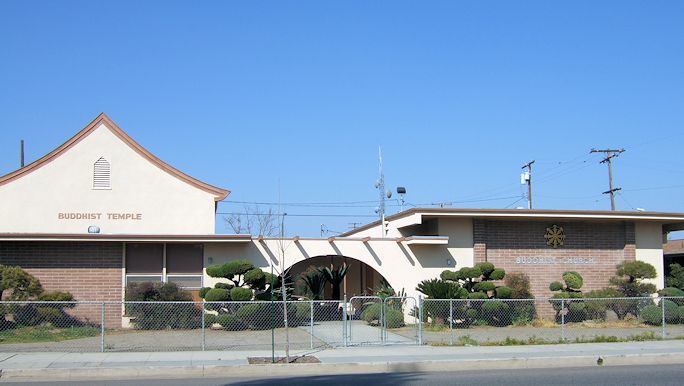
x=369, y=359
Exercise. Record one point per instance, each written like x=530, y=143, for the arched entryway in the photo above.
x=360, y=279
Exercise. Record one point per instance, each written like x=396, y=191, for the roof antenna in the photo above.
x=21, y=153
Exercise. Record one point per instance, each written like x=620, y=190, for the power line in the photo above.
x=294, y=214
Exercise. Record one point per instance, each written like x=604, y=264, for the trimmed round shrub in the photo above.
x=256, y=278
x=203, y=291
x=224, y=286
x=477, y=295
x=240, y=294
x=485, y=267
x=217, y=295
x=497, y=274
x=449, y=275
x=573, y=280
x=394, y=318
x=652, y=314
x=503, y=292
x=230, y=322
x=671, y=311
x=556, y=286
x=371, y=313
x=484, y=286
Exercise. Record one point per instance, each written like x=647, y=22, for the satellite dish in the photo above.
x=377, y=209
x=377, y=183
x=401, y=190
x=389, y=194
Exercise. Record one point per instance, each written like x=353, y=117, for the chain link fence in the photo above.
x=317, y=324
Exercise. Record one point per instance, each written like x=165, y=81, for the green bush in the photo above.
x=573, y=280
x=519, y=283
x=258, y=316
x=496, y=313
x=230, y=322
x=504, y=292
x=671, y=311
x=158, y=316
x=240, y=294
x=203, y=291
x=224, y=285
x=371, y=313
x=673, y=292
x=394, y=318
x=522, y=312
x=652, y=314
x=217, y=295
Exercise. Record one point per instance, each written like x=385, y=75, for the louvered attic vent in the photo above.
x=102, y=174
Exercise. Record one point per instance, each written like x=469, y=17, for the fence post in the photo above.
x=344, y=322
x=451, y=321
x=102, y=327
x=662, y=306
x=420, y=320
x=562, y=311
x=204, y=336
x=311, y=322
x=383, y=320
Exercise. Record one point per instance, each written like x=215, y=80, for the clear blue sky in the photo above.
x=263, y=97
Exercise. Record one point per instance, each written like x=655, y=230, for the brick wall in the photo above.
x=90, y=271
x=503, y=242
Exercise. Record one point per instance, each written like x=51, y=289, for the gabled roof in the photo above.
x=102, y=118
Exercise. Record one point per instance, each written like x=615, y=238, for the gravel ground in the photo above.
x=300, y=339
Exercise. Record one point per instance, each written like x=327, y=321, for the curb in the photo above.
x=312, y=369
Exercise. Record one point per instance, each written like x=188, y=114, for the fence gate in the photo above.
x=365, y=326
x=400, y=320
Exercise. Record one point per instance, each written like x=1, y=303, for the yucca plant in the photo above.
x=335, y=277
x=314, y=281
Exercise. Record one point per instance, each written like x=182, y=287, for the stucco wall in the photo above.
x=649, y=248
x=167, y=205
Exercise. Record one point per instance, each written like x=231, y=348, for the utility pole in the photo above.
x=527, y=177
x=610, y=153
x=21, y=153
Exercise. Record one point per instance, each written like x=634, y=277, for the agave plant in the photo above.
x=314, y=281
x=335, y=277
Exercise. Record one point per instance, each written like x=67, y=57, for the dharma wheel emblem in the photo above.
x=555, y=236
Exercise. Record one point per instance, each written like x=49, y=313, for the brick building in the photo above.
x=100, y=211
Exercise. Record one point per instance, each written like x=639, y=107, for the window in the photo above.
x=184, y=263
x=181, y=264
x=102, y=174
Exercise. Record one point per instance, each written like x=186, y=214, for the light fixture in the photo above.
x=93, y=229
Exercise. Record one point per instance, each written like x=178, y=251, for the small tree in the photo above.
x=676, y=276
x=23, y=286
x=246, y=282
x=629, y=278
x=569, y=288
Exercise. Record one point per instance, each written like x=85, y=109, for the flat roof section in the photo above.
x=672, y=221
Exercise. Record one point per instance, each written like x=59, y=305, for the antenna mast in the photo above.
x=380, y=185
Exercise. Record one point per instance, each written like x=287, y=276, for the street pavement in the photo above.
x=350, y=360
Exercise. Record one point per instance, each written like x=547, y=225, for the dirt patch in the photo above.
x=282, y=360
